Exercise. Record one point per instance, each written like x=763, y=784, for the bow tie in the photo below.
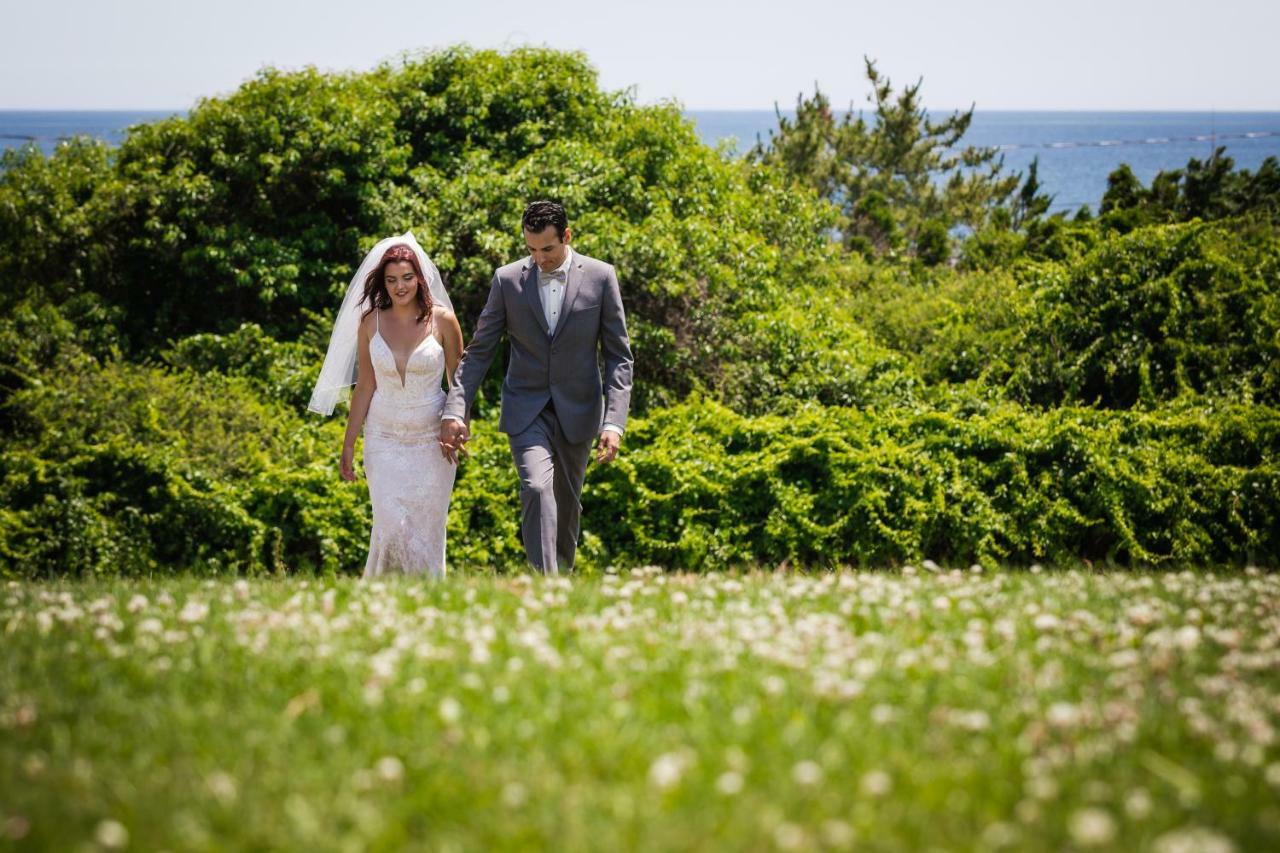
x=558, y=275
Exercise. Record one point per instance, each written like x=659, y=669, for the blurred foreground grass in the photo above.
x=882, y=711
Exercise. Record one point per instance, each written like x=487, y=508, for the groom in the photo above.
x=558, y=308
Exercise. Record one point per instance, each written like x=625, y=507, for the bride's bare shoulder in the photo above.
x=368, y=323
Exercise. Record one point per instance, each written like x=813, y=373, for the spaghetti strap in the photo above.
x=377, y=320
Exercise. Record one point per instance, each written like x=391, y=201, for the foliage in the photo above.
x=702, y=486
x=1120, y=320
x=1102, y=388
x=1152, y=315
x=1209, y=189
x=285, y=371
x=897, y=178
x=254, y=208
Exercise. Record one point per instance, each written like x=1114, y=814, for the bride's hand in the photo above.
x=347, y=466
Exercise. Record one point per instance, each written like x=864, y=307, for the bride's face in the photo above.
x=402, y=283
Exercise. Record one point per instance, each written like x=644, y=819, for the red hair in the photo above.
x=375, y=285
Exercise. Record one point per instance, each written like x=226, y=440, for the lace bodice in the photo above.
x=422, y=373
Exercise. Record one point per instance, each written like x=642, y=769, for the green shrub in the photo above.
x=1154, y=314
x=701, y=486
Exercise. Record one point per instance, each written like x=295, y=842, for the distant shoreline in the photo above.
x=764, y=109
x=1075, y=149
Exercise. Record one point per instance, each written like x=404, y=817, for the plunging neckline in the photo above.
x=403, y=374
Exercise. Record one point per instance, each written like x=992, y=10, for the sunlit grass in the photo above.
x=912, y=710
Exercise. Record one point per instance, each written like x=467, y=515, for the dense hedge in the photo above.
x=1130, y=319
x=118, y=468
x=701, y=485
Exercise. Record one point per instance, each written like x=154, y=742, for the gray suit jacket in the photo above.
x=551, y=364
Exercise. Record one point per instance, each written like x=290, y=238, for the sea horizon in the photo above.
x=1075, y=149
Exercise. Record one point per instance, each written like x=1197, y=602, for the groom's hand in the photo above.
x=607, y=446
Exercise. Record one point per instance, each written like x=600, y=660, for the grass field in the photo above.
x=910, y=710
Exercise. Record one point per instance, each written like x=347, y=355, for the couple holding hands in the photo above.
x=397, y=340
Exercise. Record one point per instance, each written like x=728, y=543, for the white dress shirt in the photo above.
x=551, y=289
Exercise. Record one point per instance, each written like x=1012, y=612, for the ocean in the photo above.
x=1077, y=150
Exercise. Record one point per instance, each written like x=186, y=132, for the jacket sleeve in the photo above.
x=478, y=355
x=617, y=353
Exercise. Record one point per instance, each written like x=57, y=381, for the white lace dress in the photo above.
x=410, y=482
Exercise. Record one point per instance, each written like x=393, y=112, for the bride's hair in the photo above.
x=375, y=285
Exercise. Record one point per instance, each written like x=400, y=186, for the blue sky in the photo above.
x=999, y=54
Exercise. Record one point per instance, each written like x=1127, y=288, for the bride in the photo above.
x=395, y=339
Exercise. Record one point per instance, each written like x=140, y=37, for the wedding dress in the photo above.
x=410, y=482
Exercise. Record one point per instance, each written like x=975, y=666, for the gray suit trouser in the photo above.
x=551, y=470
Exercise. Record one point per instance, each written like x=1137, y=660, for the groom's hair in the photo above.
x=540, y=214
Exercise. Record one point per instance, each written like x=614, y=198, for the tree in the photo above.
x=899, y=161
x=1209, y=189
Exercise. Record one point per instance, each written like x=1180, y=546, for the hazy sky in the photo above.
x=726, y=54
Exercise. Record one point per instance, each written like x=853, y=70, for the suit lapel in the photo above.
x=529, y=283
x=572, y=282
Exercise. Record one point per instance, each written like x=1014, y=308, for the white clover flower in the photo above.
x=666, y=770
x=729, y=783
x=1042, y=787
x=1046, y=622
x=883, y=714
x=974, y=721
x=806, y=773
x=450, y=710
x=876, y=783
x=1137, y=804
x=1187, y=637
x=137, y=602
x=1092, y=827
x=1192, y=839
x=836, y=833
x=389, y=769
x=788, y=836
x=1063, y=715
x=193, y=611
x=222, y=785
x=111, y=834
x=150, y=625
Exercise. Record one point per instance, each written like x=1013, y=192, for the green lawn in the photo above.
x=908, y=710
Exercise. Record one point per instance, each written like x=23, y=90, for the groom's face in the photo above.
x=546, y=248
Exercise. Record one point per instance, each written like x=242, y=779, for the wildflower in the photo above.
x=111, y=834
x=666, y=770
x=1092, y=827
x=876, y=783
x=194, y=611
x=450, y=710
x=1137, y=804
x=389, y=769
x=806, y=773
x=729, y=783
x=1192, y=839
